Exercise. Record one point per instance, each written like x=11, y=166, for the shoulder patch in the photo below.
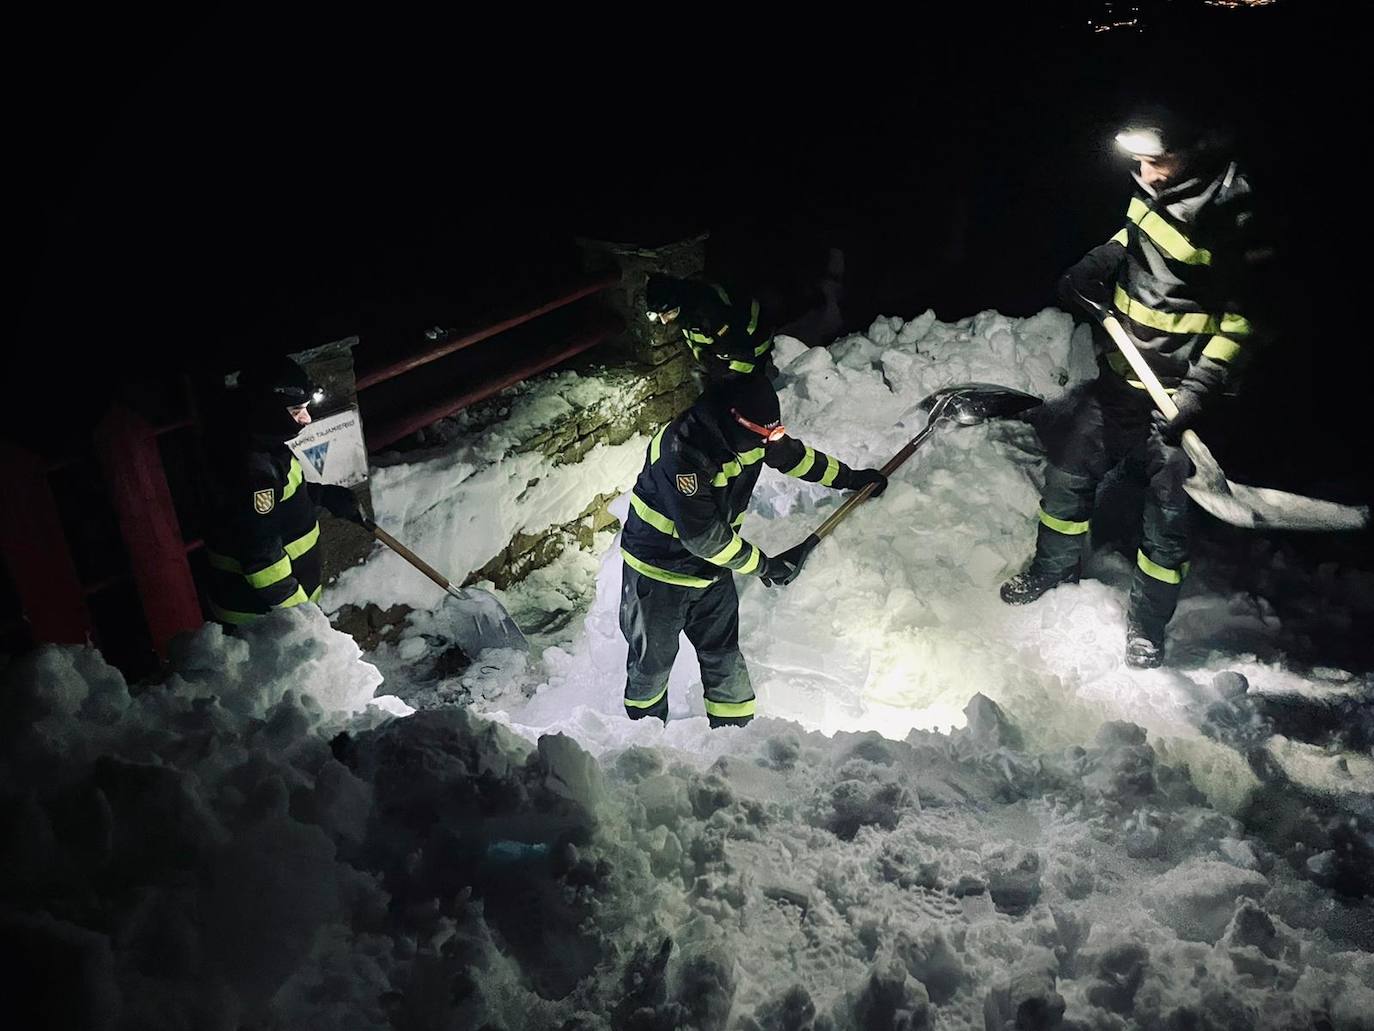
x=687, y=483
x=264, y=501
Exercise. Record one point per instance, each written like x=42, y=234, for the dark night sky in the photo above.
x=197, y=188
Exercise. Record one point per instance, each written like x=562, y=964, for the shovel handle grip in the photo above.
x=410, y=556
x=855, y=500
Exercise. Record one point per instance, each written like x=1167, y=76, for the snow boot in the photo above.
x=1024, y=588
x=1142, y=650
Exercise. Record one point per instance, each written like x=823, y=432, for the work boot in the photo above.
x=1024, y=588
x=1142, y=650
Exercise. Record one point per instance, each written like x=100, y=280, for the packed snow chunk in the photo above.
x=888, y=998
x=1013, y=878
x=1025, y=999
x=1198, y=898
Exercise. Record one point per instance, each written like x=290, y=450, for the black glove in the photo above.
x=1092, y=276
x=778, y=571
x=340, y=502
x=863, y=477
x=1189, y=404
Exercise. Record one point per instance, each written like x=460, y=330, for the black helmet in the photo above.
x=268, y=388
x=747, y=411
x=662, y=293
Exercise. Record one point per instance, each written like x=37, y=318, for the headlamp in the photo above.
x=771, y=433
x=1146, y=143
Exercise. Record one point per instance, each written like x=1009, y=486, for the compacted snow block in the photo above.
x=1197, y=898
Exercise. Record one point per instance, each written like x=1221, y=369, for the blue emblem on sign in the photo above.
x=316, y=455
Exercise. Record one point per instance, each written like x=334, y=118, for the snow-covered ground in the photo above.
x=951, y=813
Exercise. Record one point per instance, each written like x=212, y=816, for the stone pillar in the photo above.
x=331, y=367
x=659, y=348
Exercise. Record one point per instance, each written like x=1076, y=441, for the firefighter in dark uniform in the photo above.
x=725, y=330
x=682, y=546
x=263, y=547
x=1173, y=276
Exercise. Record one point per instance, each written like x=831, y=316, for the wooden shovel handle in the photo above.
x=410, y=556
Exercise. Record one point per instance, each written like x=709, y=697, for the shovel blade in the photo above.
x=1259, y=508
x=484, y=622
x=972, y=403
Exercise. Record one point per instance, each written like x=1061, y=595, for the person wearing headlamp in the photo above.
x=725, y=330
x=682, y=548
x=263, y=544
x=1174, y=276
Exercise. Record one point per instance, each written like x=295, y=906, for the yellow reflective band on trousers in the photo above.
x=1121, y=236
x=730, y=709
x=654, y=518
x=635, y=703
x=1064, y=526
x=1160, y=573
x=666, y=576
x=804, y=466
x=1185, y=322
x=240, y=618
x=832, y=469
x=1170, y=240
x=1223, y=349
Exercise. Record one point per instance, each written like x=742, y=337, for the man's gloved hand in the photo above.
x=1092, y=276
x=863, y=477
x=1189, y=404
x=340, y=503
x=779, y=571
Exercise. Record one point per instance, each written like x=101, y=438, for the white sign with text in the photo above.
x=331, y=450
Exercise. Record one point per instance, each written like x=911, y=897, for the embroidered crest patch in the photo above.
x=687, y=483
x=264, y=501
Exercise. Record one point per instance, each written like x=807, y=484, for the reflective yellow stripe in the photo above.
x=293, y=479
x=1063, y=525
x=1174, y=243
x=635, y=703
x=738, y=521
x=1189, y=322
x=315, y=594
x=656, y=445
x=1223, y=349
x=753, y=317
x=730, y=708
x=1161, y=573
x=731, y=469
x=1118, y=363
x=804, y=466
x=1235, y=325
x=218, y=561
x=663, y=575
x=720, y=292
x=299, y=598
x=736, y=366
x=699, y=338
x=277, y=571
x=832, y=469
x=754, y=560
x=298, y=547
x=1120, y=237
x=728, y=552
x=763, y=347
x=657, y=520
x=230, y=616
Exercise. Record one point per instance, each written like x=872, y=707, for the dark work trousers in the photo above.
x=1112, y=424
x=652, y=614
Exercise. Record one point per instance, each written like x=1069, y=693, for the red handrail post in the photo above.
x=36, y=551
x=132, y=462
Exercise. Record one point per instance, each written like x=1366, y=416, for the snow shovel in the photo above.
x=1254, y=508
x=488, y=623
x=965, y=404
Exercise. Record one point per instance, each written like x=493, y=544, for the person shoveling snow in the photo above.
x=681, y=545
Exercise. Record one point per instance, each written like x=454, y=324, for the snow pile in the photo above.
x=175, y=861
x=461, y=505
